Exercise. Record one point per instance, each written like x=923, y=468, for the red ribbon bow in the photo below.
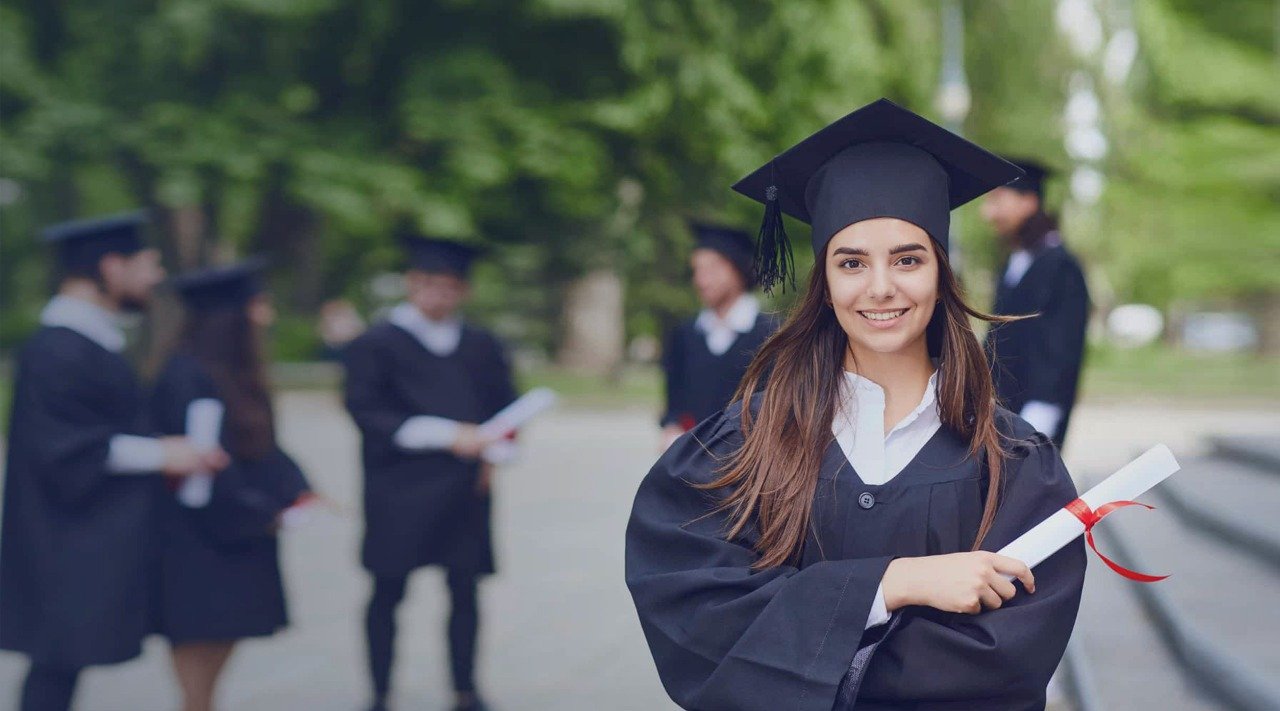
x=1089, y=518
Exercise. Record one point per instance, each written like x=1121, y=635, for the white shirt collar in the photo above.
x=1019, y=262
x=439, y=337
x=85, y=318
x=722, y=332
x=858, y=426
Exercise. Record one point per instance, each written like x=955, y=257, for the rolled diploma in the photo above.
x=1131, y=481
x=204, y=429
x=514, y=416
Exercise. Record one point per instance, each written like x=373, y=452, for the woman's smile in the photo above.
x=884, y=318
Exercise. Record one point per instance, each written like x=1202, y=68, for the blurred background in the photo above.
x=571, y=139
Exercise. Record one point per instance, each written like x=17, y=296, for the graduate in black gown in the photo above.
x=82, y=475
x=418, y=385
x=1036, y=362
x=824, y=543
x=219, y=575
x=704, y=358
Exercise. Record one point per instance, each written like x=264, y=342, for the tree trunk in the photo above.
x=594, y=333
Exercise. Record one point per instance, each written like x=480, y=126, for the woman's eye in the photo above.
x=909, y=261
x=850, y=264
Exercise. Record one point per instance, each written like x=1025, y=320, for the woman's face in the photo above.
x=882, y=280
x=262, y=312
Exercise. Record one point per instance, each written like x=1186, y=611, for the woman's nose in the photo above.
x=882, y=286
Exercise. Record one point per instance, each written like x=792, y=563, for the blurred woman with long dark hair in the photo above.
x=220, y=574
x=826, y=541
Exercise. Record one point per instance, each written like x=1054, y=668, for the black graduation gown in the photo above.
x=75, y=550
x=423, y=508
x=726, y=637
x=1040, y=358
x=219, y=576
x=699, y=382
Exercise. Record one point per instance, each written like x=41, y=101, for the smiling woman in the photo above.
x=823, y=542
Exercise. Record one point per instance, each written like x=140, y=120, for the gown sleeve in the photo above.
x=998, y=658
x=365, y=393
x=60, y=402
x=672, y=362
x=725, y=636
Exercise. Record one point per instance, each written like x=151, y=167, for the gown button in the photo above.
x=866, y=500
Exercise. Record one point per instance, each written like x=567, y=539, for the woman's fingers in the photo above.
x=1016, y=568
x=990, y=598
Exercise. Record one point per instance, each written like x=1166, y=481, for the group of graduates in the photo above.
x=102, y=545
x=127, y=514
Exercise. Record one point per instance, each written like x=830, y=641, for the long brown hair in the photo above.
x=772, y=478
x=228, y=344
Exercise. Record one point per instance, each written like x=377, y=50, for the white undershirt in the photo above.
x=858, y=426
x=126, y=454
x=722, y=332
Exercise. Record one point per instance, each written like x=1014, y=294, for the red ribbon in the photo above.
x=687, y=422
x=1089, y=518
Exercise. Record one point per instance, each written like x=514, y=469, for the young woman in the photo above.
x=220, y=573
x=824, y=542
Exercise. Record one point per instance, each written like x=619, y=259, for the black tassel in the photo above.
x=774, y=262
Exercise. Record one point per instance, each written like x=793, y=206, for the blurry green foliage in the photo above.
x=566, y=135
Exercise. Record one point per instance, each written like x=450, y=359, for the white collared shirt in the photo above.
x=439, y=337
x=126, y=453
x=722, y=332
x=858, y=426
x=85, y=318
x=1019, y=262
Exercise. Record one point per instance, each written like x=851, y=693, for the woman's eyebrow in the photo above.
x=850, y=250
x=912, y=247
x=906, y=248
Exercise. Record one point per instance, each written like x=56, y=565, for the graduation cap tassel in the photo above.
x=774, y=262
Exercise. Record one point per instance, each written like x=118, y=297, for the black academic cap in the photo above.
x=81, y=243
x=1034, y=176
x=734, y=244
x=430, y=254
x=879, y=161
x=223, y=286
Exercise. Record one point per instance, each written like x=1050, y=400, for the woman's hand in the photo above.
x=957, y=582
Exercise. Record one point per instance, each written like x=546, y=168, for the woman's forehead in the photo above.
x=879, y=234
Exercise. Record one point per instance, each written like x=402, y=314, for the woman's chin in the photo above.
x=885, y=342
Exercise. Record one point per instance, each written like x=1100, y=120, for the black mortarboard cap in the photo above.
x=431, y=254
x=223, y=286
x=734, y=244
x=1034, y=176
x=80, y=244
x=879, y=161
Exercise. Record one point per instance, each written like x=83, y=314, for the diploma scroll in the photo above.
x=1131, y=481
x=204, y=429
x=514, y=416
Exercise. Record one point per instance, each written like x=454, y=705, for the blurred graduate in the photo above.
x=219, y=565
x=1036, y=362
x=82, y=478
x=824, y=543
x=418, y=386
x=703, y=359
